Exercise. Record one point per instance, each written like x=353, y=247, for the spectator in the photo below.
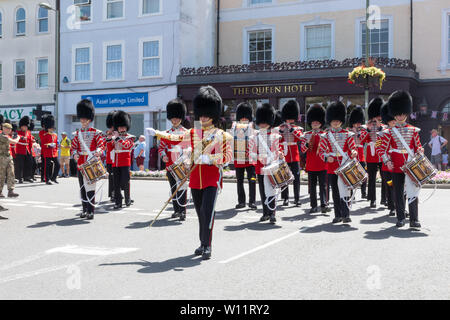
x=139, y=153
x=37, y=157
x=153, y=161
x=436, y=143
x=444, y=158
x=65, y=155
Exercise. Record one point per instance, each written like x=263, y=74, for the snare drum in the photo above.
x=352, y=173
x=279, y=174
x=93, y=170
x=179, y=170
x=419, y=169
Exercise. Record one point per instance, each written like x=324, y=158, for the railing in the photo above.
x=298, y=66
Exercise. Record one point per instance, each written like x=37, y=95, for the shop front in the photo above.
x=15, y=113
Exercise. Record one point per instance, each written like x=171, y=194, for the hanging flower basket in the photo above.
x=361, y=74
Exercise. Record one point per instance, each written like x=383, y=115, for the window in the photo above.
x=256, y=2
x=82, y=63
x=114, y=9
x=260, y=47
x=1, y=25
x=20, y=22
x=83, y=9
x=1, y=77
x=43, y=20
x=113, y=68
x=42, y=74
x=19, y=75
x=318, y=42
x=150, y=52
x=150, y=7
x=445, y=109
x=378, y=40
x=448, y=45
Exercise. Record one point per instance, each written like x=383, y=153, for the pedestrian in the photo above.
x=139, y=153
x=49, y=141
x=153, y=155
x=436, y=143
x=37, y=157
x=336, y=146
x=65, y=155
x=6, y=162
x=241, y=131
x=444, y=158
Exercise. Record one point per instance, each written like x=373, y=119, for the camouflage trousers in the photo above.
x=6, y=172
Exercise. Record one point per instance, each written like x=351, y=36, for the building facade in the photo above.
x=27, y=58
x=274, y=50
x=124, y=54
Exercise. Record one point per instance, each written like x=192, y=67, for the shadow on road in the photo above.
x=61, y=223
x=257, y=226
x=166, y=222
x=176, y=264
x=395, y=233
x=379, y=219
x=329, y=227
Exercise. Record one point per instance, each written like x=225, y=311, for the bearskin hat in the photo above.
x=121, y=119
x=290, y=110
x=31, y=125
x=2, y=119
x=48, y=121
x=176, y=108
x=207, y=103
x=109, y=119
x=265, y=114
x=356, y=116
x=374, y=109
x=85, y=109
x=278, y=119
x=336, y=111
x=315, y=113
x=14, y=126
x=385, y=116
x=400, y=102
x=25, y=121
x=244, y=110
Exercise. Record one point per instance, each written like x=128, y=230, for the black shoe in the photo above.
x=49, y=183
x=182, y=216
x=206, y=253
x=175, y=214
x=325, y=209
x=29, y=180
x=252, y=206
x=240, y=206
x=347, y=220
x=12, y=194
x=83, y=215
x=414, y=224
x=128, y=203
x=400, y=223
x=264, y=218
x=391, y=213
x=54, y=181
x=314, y=210
x=373, y=204
x=3, y=218
x=297, y=203
x=90, y=216
x=199, y=251
x=336, y=220
x=364, y=196
x=383, y=202
x=407, y=214
x=20, y=181
x=3, y=209
x=117, y=206
x=285, y=203
x=272, y=218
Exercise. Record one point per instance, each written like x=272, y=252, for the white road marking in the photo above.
x=34, y=202
x=23, y=261
x=44, y=207
x=16, y=204
x=132, y=209
x=73, y=209
x=9, y=200
x=61, y=204
x=91, y=251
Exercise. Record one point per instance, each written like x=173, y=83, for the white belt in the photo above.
x=291, y=143
x=83, y=154
x=399, y=151
x=121, y=151
x=360, y=146
x=333, y=154
x=174, y=150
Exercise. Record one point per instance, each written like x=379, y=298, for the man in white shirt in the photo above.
x=436, y=143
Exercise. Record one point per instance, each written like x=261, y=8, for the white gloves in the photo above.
x=205, y=159
x=151, y=131
x=52, y=145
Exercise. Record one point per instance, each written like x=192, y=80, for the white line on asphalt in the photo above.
x=44, y=207
x=16, y=204
x=91, y=251
x=34, y=202
x=23, y=261
x=73, y=209
x=61, y=204
x=9, y=200
x=132, y=209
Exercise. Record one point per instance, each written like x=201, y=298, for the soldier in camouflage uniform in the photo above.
x=6, y=162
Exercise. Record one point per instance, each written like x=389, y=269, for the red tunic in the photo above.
x=327, y=149
x=313, y=160
x=241, y=135
x=46, y=139
x=360, y=136
x=171, y=149
x=109, y=148
x=291, y=134
x=258, y=152
x=370, y=140
x=123, y=147
x=94, y=141
x=23, y=146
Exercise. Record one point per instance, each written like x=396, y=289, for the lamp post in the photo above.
x=47, y=6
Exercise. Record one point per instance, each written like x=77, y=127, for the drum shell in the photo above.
x=419, y=169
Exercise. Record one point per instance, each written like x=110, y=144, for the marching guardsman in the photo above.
x=23, y=150
x=49, y=143
x=291, y=134
x=388, y=120
x=336, y=146
x=315, y=166
x=241, y=131
x=265, y=147
x=171, y=151
x=356, y=125
x=372, y=159
x=6, y=162
x=87, y=142
x=211, y=149
x=123, y=146
x=109, y=155
x=398, y=145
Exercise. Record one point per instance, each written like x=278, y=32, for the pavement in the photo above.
x=48, y=252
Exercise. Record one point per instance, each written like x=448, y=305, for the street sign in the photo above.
x=119, y=100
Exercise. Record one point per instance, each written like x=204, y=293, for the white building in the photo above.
x=27, y=58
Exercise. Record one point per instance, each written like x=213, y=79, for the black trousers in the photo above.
x=341, y=209
x=88, y=205
x=313, y=178
x=109, y=168
x=389, y=190
x=364, y=185
x=251, y=177
x=51, y=168
x=372, y=169
x=262, y=193
x=204, y=203
x=33, y=166
x=399, y=189
x=121, y=181
x=181, y=195
x=295, y=169
x=24, y=166
x=42, y=169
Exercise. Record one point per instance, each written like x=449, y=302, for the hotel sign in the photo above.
x=266, y=90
